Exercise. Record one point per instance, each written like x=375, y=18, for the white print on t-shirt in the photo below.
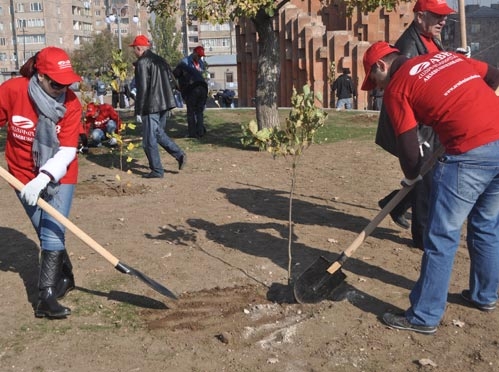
x=22, y=128
x=22, y=122
x=426, y=70
x=461, y=82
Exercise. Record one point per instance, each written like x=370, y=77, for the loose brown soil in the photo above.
x=216, y=234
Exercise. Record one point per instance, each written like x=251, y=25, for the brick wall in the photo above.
x=311, y=39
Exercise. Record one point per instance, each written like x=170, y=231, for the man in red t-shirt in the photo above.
x=102, y=120
x=453, y=95
x=421, y=37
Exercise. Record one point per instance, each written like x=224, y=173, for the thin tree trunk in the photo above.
x=268, y=72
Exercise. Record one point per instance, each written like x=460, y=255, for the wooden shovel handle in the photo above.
x=462, y=23
x=18, y=185
x=383, y=213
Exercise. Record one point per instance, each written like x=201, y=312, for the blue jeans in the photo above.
x=98, y=134
x=50, y=232
x=153, y=132
x=464, y=187
x=344, y=103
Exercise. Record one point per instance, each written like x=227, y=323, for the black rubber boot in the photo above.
x=50, y=273
x=67, y=281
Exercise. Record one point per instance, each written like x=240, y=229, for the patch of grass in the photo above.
x=344, y=125
x=224, y=127
x=46, y=326
x=224, y=130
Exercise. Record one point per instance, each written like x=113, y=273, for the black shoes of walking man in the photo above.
x=399, y=218
x=182, y=161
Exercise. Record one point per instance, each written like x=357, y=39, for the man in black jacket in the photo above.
x=190, y=75
x=153, y=101
x=421, y=37
x=345, y=89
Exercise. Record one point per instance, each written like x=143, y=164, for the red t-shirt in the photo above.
x=447, y=92
x=17, y=110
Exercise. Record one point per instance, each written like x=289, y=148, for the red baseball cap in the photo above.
x=199, y=50
x=439, y=7
x=55, y=63
x=91, y=109
x=140, y=40
x=372, y=55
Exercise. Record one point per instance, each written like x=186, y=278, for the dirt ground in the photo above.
x=216, y=234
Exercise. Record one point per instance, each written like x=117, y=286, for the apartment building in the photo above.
x=482, y=30
x=26, y=26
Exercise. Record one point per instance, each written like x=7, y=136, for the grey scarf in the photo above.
x=50, y=111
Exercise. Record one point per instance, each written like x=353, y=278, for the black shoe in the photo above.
x=399, y=219
x=398, y=321
x=487, y=307
x=152, y=175
x=418, y=243
x=48, y=307
x=182, y=161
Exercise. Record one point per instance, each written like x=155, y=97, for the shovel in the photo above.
x=120, y=266
x=322, y=277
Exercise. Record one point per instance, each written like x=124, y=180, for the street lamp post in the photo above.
x=116, y=17
x=23, y=23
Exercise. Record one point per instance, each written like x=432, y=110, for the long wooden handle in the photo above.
x=383, y=213
x=18, y=185
x=462, y=23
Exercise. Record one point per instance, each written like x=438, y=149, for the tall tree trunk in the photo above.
x=268, y=72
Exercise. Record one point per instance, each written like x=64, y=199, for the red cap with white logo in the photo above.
x=54, y=62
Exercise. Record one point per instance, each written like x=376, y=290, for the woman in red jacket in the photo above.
x=43, y=118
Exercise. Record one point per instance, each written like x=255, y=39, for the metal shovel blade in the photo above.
x=316, y=283
x=121, y=267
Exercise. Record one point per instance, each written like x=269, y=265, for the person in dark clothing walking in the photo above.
x=153, y=101
x=421, y=37
x=345, y=89
x=194, y=89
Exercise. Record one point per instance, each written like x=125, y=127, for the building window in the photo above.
x=36, y=7
x=474, y=46
x=475, y=28
x=229, y=77
x=3, y=56
x=2, y=41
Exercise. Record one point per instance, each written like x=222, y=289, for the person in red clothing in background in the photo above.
x=102, y=120
x=44, y=122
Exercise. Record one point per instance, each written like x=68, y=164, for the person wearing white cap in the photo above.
x=440, y=89
x=44, y=122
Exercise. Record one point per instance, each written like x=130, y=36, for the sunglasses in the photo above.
x=55, y=85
